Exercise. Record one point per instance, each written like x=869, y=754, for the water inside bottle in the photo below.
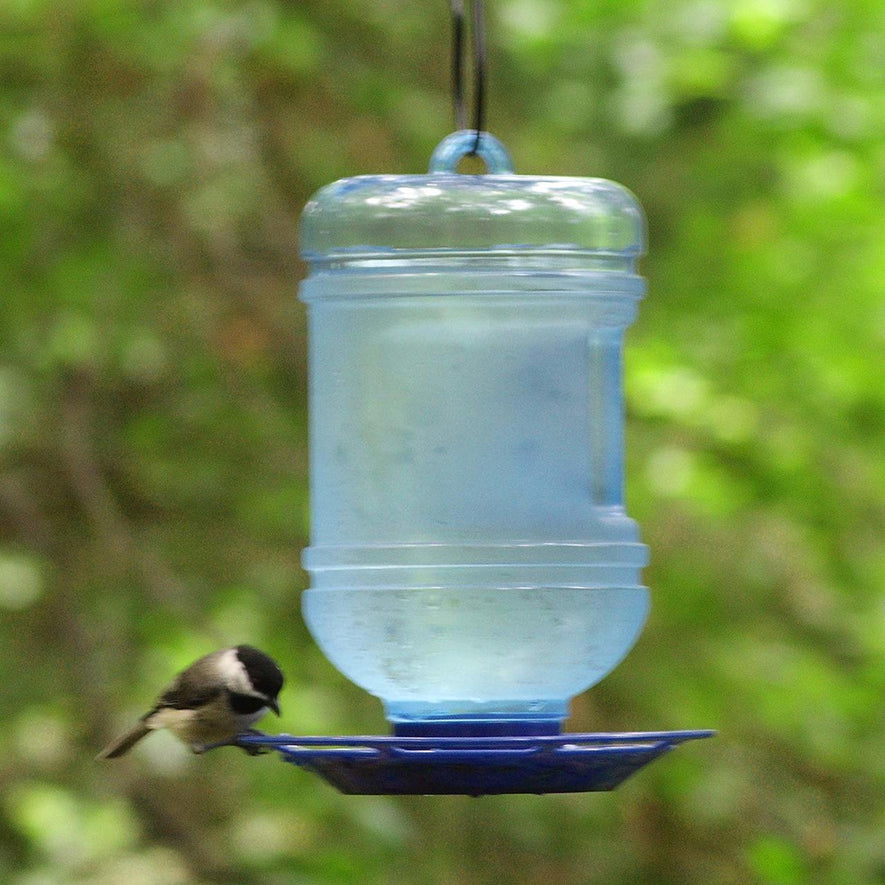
x=462, y=650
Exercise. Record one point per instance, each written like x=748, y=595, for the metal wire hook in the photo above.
x=479, y=65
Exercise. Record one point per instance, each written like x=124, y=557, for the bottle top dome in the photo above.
x=380, y=216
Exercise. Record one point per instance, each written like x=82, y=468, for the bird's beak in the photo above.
x=272, y=703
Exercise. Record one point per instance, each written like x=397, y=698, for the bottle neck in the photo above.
x=498, y=273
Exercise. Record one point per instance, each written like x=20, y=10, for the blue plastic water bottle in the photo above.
x=470, y=559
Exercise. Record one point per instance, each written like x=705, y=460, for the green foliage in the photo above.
x=154, y=157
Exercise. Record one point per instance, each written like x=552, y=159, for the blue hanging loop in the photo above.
x=479, y=63
x=464, y=143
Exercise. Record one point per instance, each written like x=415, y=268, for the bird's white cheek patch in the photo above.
x=233, y=673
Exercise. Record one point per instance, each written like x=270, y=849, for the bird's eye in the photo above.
x=243, y=704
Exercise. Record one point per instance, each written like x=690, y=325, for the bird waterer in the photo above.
x=471, y=561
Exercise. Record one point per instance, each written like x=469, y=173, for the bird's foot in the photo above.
x=253, y=749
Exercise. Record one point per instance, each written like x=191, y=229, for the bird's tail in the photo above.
x=125, y=742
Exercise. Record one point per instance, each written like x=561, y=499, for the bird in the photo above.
x=217, y=697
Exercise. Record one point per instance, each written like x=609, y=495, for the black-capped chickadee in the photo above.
x=217, y=697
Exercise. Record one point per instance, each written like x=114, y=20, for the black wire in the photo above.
x=458, y=61
x=479, y=70
x=479, y=67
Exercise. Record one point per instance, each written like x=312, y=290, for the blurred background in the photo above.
x=154, y=158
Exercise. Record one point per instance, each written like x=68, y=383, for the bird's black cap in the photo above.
x=264, y=674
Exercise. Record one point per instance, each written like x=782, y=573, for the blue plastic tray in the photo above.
x=473, y=766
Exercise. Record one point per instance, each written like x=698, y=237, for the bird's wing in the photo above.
x=193, y=687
